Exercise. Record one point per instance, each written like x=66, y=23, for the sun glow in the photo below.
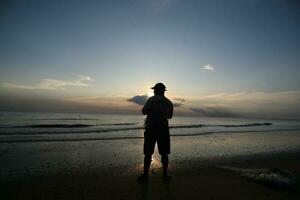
x=150, y=93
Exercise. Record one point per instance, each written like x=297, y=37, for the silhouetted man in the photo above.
x=158, y=109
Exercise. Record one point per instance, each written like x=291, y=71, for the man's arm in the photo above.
x=146, y=107
x=170, y=104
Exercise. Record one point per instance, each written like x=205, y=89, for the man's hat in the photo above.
x=159, y=86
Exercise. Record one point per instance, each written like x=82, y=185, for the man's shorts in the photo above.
x=159, y=135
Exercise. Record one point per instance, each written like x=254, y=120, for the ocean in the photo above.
x=18, y=127
x=45, y=143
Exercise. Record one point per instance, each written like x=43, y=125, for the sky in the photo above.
x=235, y=58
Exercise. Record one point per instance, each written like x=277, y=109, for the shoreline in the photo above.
x=193, y=179
x=202, y=167
x=129, y=137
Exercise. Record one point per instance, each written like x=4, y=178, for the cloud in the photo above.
x=269, y=105
x=177, y=104
x=139, y=99
x=179, y=99
x=250, y=99
x=142, y=99
x=208, y=67
x=52, y=84
x=213, y=112
x=109, y=105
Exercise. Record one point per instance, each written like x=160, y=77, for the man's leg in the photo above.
x=165, y=163
x=147, y=163
x=149, y=144
x=163, y=144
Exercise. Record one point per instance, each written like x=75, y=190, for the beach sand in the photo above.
x=109, y=170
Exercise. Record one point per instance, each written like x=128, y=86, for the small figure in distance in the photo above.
x=158, y=109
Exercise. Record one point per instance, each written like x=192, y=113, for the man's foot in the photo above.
x=167, y=177
x=142, y=178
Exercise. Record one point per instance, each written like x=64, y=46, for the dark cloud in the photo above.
x=40, y=104
x=139, y=99
x=179, y=99
x=213, y=112
x=177, y=104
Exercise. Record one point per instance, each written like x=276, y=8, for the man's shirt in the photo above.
x=158, y=110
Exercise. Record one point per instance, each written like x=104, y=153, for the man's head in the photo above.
x=159, y=89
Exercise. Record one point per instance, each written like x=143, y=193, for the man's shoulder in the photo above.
x=150, y=98
x=154, y=98
x=157, y=98
x=168, y=100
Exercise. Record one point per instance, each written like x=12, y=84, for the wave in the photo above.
x=56, y=119
x=117, y=124
x=81, y=131
x=67, y=125
x=226, y=126
x=133, y=128
x=189, y=126
x=273, y=177
x=55, y=126
x=246, y=125
x=73, y=132
x=63, y=119
x=132, y=137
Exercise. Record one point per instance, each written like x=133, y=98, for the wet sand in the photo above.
x=193, y=180
x=108, y=170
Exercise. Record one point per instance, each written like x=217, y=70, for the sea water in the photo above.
x=39, y=127
x=38, y=143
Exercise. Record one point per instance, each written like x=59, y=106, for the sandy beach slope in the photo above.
x=108, y=170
